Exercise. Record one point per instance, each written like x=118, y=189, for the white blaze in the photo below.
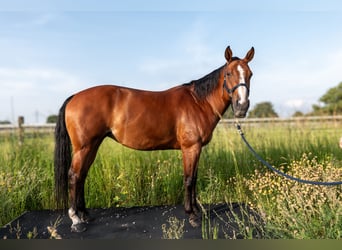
x=242, y=90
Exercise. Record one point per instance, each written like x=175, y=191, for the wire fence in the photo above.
x=45, y=128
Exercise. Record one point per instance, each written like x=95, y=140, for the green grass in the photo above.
x=26, y=175
x=125, y=177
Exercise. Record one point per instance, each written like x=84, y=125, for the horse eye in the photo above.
x=229, y=74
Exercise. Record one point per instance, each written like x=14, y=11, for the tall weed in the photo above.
x=296, y=210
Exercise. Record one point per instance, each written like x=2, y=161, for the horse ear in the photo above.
x=228, y=54
x=250, y=54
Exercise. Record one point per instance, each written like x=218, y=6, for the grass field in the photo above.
x=227, y=173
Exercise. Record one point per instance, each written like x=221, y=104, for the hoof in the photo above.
x=78, y=228
x=86, y=218
x=194, y=220
x=196, y=209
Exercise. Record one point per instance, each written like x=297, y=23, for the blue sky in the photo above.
x=49, y=51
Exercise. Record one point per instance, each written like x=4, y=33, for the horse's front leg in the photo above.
x=195, y=206
x=190, y=164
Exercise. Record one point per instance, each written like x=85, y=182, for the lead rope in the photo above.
x=269, y=166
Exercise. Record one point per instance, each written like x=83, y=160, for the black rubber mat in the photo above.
x=218, y=221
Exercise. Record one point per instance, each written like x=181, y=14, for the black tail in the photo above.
x=62, y=158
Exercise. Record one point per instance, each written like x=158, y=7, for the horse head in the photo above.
x=237, y=76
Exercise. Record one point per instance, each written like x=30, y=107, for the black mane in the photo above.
x=205, y=85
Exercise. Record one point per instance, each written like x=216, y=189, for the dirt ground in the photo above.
x=131, y=223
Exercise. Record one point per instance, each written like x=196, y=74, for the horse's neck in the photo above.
x=218, y=102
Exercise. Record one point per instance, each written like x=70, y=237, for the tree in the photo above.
x=262, y=110
x=5, y=122
x=51, y=119
x=298, y=114
x=332, y=102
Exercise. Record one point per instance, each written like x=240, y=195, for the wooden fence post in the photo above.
x=21, y=121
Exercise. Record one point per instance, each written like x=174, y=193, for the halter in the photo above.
x=231, y=91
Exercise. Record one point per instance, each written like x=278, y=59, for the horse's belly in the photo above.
x=146, y=140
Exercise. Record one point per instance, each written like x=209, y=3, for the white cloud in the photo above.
x=26, y=81
x=295, y=103
x=45, y=19
x=194, y=59
x=34, y=89
x=299, y=83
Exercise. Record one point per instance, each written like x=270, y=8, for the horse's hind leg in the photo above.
x=81, y=162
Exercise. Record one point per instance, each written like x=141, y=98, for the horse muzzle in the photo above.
x=240, y=109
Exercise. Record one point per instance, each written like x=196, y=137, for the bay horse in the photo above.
x=182, y=117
